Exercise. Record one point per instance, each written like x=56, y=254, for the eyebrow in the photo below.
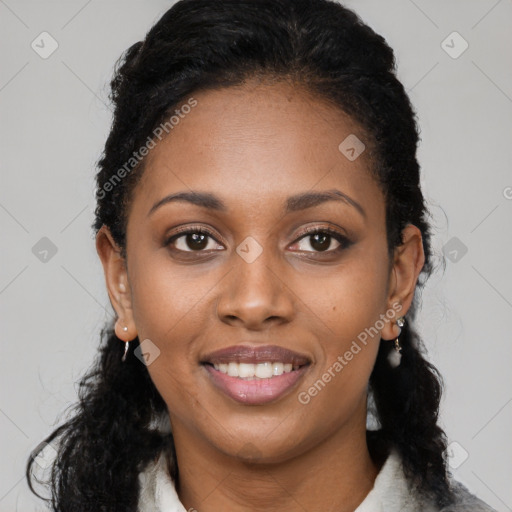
x=294, y=203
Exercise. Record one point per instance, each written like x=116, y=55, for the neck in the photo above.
x=335, y=474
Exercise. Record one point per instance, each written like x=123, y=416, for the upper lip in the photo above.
x=259, y=354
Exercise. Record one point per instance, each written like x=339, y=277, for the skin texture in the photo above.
x=253, y=146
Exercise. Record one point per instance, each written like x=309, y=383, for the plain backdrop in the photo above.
x=454, y=59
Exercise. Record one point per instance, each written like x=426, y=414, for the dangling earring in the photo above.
x=395, y=357
x=126, y=343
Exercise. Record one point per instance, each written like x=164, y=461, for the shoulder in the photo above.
x=465, y=501
x=392, y=491
x=156, y=489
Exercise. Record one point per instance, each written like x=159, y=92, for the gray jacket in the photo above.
x=466, y=502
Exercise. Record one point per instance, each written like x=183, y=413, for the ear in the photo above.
x=118, y=287
x=408, y=261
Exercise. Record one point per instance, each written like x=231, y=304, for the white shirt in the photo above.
x=389, y=492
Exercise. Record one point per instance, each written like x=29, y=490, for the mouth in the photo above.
x=255, y=375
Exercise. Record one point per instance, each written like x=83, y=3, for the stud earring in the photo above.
x=395, y=356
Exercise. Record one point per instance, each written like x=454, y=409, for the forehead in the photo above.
x=256, y=144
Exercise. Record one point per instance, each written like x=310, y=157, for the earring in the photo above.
x=395, y=357
x=126, y=344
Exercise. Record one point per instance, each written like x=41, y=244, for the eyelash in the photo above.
x=342, y=239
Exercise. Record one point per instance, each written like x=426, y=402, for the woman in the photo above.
x=263, y=236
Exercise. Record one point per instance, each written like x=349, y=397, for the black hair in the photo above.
x=211, y=44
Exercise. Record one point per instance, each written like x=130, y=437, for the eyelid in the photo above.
x=323, y=229
x=185, y=230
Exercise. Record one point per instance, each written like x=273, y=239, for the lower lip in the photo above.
x=255, y=391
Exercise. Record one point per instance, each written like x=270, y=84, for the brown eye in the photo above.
x=320, y=240
x=193, y=240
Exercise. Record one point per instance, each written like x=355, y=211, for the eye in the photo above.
x=320, y=240
x=199, y=239
x=193, y=239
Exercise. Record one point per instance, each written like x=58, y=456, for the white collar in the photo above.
x=389, y=492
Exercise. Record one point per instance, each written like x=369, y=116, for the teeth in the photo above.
x=246, y=370
x=232, y=369
x=264, y=370
x=277, y=369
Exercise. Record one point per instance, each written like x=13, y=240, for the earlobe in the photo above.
x=116, y=278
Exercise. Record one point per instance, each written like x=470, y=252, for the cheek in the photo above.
x=166, y=300
x=168, y=310
x=175, y=385
x=350, y=304
x=350, y=297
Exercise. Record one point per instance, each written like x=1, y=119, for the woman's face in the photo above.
x=255, y=288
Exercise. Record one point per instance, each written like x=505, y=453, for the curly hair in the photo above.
x=212, y=44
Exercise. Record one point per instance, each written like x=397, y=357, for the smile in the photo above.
x=255, y=375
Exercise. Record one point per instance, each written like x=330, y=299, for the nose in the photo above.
x=255, y=294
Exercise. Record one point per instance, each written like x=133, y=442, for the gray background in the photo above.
x=55, y=121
